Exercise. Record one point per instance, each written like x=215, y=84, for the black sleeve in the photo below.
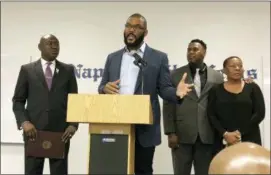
x=258, y=109
x=19, y=98
x=169, y=117
x=73, y=88
x=211, y=111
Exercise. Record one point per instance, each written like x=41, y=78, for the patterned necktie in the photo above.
x=48, y=75
x=197, y=83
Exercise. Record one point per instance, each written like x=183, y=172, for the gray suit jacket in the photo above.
x=190, y=118
x=156, y=82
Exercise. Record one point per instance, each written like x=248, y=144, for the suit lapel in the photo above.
x=57, y=73
x=146, y=56
x=189, y=80
x=118, y=60
x=208, y=85
x=40, y=73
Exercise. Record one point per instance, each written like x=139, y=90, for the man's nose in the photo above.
x=54, y=46
x=191, y=52
x=237, y=67
x=132, y=29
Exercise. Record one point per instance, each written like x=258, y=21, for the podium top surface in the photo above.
x=103, y=108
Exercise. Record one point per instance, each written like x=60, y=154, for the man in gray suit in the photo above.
x=122, y=76
x=190, y=135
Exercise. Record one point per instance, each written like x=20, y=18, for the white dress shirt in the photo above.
x=129, y=71
x=44, y=66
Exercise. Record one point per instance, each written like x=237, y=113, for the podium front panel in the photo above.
x=108, y=154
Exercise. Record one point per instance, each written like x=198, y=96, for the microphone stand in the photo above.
x=141, y=66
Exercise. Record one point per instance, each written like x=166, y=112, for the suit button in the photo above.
x=47, y=110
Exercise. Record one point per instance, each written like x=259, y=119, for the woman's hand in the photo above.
x=232, y=137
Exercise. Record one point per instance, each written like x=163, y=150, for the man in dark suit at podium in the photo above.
x=44, y=85
x=122, y=76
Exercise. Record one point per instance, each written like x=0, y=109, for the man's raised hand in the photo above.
x=183, y=88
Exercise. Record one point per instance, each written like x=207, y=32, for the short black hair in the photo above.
x=228, y=59
x=138, y=15
x=202, y=43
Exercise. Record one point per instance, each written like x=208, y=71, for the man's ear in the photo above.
x=145, y=33
x=224, y=70
x=204, y=53
x=39, y=46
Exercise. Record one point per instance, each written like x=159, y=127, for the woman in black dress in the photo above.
x=235, y=108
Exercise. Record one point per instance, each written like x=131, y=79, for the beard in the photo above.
x=196, y=62
x=135, y=44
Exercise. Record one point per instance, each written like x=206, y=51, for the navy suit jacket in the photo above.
x=156, y=79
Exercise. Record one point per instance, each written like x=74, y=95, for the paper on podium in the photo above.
x=47, y=145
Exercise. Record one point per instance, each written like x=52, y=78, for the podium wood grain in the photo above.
x=85, y=108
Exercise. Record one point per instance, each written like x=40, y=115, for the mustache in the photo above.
x=130, y=34
x=192, y=55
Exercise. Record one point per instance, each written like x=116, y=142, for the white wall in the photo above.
x=89, y=31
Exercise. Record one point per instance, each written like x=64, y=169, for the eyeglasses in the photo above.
x=135, y=27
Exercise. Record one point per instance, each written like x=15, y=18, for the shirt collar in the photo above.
x=44, y=62
x=141, y=49
x=193, y=67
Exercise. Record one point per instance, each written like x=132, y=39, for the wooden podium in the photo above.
x=111, y=121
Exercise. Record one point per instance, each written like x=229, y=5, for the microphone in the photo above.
x=140, y=63
x=138, y=60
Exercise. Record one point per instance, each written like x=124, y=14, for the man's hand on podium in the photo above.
x=183, y=89
x=112, y=87
x=69, y=132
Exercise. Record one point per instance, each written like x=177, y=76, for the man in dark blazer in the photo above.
x=45, y=85
x=122, y=76
x=190, y=134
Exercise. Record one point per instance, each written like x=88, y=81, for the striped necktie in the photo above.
x=197, y=82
